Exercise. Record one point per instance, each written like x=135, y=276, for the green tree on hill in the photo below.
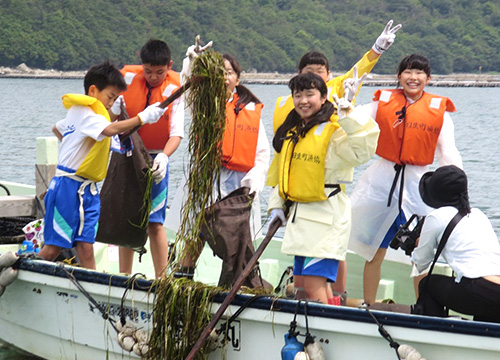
x=265, y=35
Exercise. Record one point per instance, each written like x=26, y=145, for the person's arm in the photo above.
x=149, y=115
x=355, y=143
x=57, y=133
x=256, y=177
x=176, y=127
x=432, y=230
x=176, y=134
x=118, y=127
x=366, y=64
x=446, y=149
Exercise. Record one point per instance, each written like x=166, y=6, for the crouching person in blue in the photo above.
x=472, y=250
x=72, y=201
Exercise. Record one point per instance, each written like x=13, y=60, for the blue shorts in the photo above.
x=159, y=195
x=62, y=216
x=308, y=266
x=396, y=225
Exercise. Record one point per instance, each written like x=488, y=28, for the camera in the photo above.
x=405, y=238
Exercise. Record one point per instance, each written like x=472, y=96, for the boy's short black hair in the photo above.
x=103, y=75
x=155, y=53
x=313, y=58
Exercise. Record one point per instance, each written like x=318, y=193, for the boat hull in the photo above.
x=43, y=312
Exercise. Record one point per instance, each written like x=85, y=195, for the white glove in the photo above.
x=160, y=167
x=151, y=114
x=250, y=183
x=351, y=85
x=192, y=53
x=278, y=213
x=344, y=106
x=116, y=108
x=385, y=40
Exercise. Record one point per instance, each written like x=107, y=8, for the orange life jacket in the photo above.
x=154, y=136
x=239, y=144
x=409, y=133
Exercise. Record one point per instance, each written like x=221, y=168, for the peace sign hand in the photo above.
x=352, y=85
x=343, y=105
x=385, y=40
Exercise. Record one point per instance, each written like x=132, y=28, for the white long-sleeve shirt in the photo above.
x=472, y=250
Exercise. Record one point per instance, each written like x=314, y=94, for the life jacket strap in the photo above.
x=335, y=187
x=400, y=169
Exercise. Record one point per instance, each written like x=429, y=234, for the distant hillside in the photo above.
x=265, y=35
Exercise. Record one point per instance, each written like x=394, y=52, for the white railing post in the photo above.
x=45, y=168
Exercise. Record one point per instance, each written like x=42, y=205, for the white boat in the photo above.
x=61, y=312
x=53, y=311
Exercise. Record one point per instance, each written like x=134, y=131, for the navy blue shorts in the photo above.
x=396, y=225
x=62, y=215
x=309, y=266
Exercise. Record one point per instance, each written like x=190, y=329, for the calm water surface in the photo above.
x=29, y=108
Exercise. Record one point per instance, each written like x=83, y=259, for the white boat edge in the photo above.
x=45, y=314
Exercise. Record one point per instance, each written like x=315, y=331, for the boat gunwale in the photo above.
x=269, y=303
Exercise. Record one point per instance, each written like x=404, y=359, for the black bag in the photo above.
x=122, y=198
x=227, y=231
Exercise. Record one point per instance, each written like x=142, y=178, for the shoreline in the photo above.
x=452, y=80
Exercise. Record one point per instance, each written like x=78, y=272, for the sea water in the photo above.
x=30, y=107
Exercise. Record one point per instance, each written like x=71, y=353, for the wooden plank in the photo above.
x=16, y=205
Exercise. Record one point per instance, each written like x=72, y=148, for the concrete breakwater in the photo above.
x=451, y=80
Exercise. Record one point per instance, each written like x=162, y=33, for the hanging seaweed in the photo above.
x=182, y=307
x=181, y=313
x=207, y=100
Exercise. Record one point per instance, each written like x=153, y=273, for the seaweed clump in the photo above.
x=182, y=307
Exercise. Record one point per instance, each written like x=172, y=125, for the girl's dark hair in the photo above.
x=155, y=53
x=293, y=120
x=244, y=94
x=313, y=58
x=103, y=75
x=415, y=61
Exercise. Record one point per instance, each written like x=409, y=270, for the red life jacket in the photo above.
x=409, y=133
x=239, y=144
x=154, y=136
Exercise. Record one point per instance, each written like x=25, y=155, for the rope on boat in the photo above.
x=129, y=337
x=312, y=347
x=94, y=302
x=5, y=188
x=223, y=328
x=403, y=352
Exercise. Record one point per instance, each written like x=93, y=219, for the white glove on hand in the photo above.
x=192, y=53
x=250, y=183
x=160, y=167
x=344, y=106
x=116, y=108
x=151, y=114
x=278, y=213
x=385, y=40
x=351, y=85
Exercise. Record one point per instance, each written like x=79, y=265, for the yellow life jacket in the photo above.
x=284, y=105
x=302, y=165
x=95, y=164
